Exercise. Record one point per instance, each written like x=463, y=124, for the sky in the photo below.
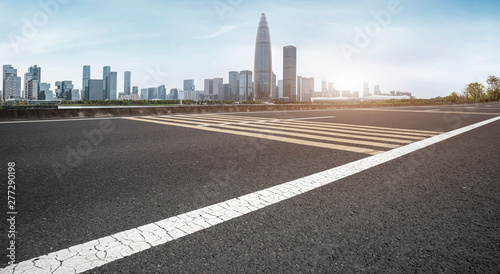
x=427, y=47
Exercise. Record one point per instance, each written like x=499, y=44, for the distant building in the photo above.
x=219, y=88
x=135, y=90
x=174, y=94
x=234, y=86
x=189, y=85
x=32, y=90
x=75, y=95
x=64, y=90
x=45, y=93
x=376, y=90
x=11, y=83
x=105, y=72
x=290, y=73
x=246, y=85
x=127, y=83
x=85, y=83
x=346, y=93
x=162, y=93
x=274, y=87
x=280, y=89
x=209, y=86
x=144, y=94
x=305, y=88
x=152, y=93
x=324, y=87
x=111, y=86
x=95, y=92
x=263, y=68
x=366, y=89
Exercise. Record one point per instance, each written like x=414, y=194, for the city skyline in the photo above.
x=420, y=47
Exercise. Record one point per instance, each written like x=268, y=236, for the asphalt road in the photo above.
x=434, y=210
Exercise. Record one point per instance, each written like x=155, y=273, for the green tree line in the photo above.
x=477, y=92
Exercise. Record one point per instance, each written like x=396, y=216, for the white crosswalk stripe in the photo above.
x=304, y=131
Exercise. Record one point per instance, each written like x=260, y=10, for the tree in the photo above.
x=475, y=92
x=454, y=97
x=493, y=88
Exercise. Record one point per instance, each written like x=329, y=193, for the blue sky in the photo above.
x=430, y=48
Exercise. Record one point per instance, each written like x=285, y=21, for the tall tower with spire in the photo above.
x=263, y=62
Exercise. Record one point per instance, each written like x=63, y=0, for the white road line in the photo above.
x=96, y=253
x=259, y=121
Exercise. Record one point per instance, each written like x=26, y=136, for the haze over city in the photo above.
x=427, y=48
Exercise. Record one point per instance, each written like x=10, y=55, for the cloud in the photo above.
x=221, y=31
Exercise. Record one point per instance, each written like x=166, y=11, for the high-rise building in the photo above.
x=324, y=87
x=135, y=90
x=45, y=93
x=152, y=93
x=127, y=82
x=219, y=88
x=189, y=85
x=234, y=86
x=305, y=88
x=274, y=87
x=11, y=83
x=280, y=89
x=263, y=67
x=290, y=73
x=366, y=89
x=227, y=92
x=64, y=90
x=174, y=94
x=246, y=85
x=162, y=92
x=34, y=73
x=144, y=94
x=105, y=72
x=85, y=83
x=95, y=90
x=33, y=89
x=75, y=95
x=376, y=90
x=209, y=86
x=111, y=86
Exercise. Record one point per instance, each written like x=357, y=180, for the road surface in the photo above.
x=356, y=190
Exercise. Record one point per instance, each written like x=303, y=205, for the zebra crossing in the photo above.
x=363, y=139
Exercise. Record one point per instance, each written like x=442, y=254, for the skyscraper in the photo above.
x=376, y=90
x=219, y=88
x=95, y=90
x=305, y=88
x=263, y=62
x=127, y=83
x=246, y=85
x=111, y=86
x=11, y=83
x=64, y=90
x=234, y=86
x=189, y=85
x=274, y=87
x=366, y=89
x=209, y=86
x=162, y=92
x=105, y=72
x=85, y=83
x=290, y=73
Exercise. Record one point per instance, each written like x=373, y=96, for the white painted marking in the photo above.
x=256, y=122
x=90, y=255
